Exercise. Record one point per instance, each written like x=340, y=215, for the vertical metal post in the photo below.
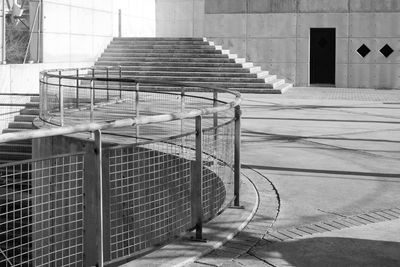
x=91, y=101
x=182, y=106
x=197, y=204
x=98, y=163
x=215, y=122
x=107, y=83
x=237, y=166
x=137, y=109
x=61, y=99
x=3, y=35
x=120, y=83
x=77, y=88
x=92, y=86
x=119, y=23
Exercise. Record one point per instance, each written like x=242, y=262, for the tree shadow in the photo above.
x=330, y=251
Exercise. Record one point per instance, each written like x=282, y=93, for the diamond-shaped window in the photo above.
x=363, y=50
x=386, y=50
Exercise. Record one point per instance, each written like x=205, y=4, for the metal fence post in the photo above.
x=237, y=166
x=107, y=83
x=77, y=88
x=182, y=109
x=98, y=167
x=120, y=83
x=91, y=101
x=137, y=109
x=197, y=181
x=92, y=86
x=61, y=99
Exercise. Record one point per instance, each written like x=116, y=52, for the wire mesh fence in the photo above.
x=158, y=164
x=41, y=212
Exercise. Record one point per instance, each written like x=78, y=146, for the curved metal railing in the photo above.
x=167, y=158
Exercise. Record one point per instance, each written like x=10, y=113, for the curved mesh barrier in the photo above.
x=129, y=165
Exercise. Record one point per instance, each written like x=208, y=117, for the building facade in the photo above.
x=342, y=43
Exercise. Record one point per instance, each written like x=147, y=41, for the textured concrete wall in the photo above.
x=179, y=18
x=275, y=35
x=76, y=31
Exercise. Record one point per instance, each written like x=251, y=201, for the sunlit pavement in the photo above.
x=333, y=157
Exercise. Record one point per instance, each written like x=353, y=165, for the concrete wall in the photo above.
x=179, y=18
x=24, y=78
x=275, y=34
x=76, y=31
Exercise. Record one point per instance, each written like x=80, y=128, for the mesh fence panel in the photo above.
x=149, y=187
x=41, y=212
x=218, y=162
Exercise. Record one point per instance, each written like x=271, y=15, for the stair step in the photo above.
x=161, y=60
x=161, y=55
x=13, y=130
x=159, y=46
x=205, y=50
x=177, y=67
x=28, y=111
x=26, y=118
x=196, y=79
x=163, y=42
x=181, y=74
x=25, y=148
x=35, y=99
x=174, y=64
x=283, y=88
x=20, y=125
x=157, y=39
x=32, y=104
x=15, y=156
x=276, y=83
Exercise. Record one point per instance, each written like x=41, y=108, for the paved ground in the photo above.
x=333, y=157
x=324, y=166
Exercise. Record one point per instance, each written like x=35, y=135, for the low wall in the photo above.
x=24, y=78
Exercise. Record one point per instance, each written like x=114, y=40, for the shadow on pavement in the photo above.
x=330, y=251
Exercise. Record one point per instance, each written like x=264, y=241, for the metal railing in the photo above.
x=134, y=164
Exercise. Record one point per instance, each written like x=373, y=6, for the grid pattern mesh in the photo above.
x=149, y=189
x=41, y=212
x=218, y=162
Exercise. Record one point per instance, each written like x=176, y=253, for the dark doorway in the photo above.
x=322, y=55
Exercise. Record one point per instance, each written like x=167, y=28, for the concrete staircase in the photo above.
x=15, y=216
x=20, y=150
x=190, y=60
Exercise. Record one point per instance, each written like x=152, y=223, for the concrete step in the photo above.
x=200, y=79
x=163, y=55
x=202, y=51
x=157, y=39
x=28, y=111
x=127, y=68
x=230, y=64
x=35, y=99
x=156, y=46
x=161, y=59
x=149, y=86
x=26, y=118
x=24, y=148
x=283, y=88
x=20, y=125
x=32, y=105
x=13, y=130
x=276, y=83
x=182, y=74
x=201, y=66
x=15, y=156
x=147, y=42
